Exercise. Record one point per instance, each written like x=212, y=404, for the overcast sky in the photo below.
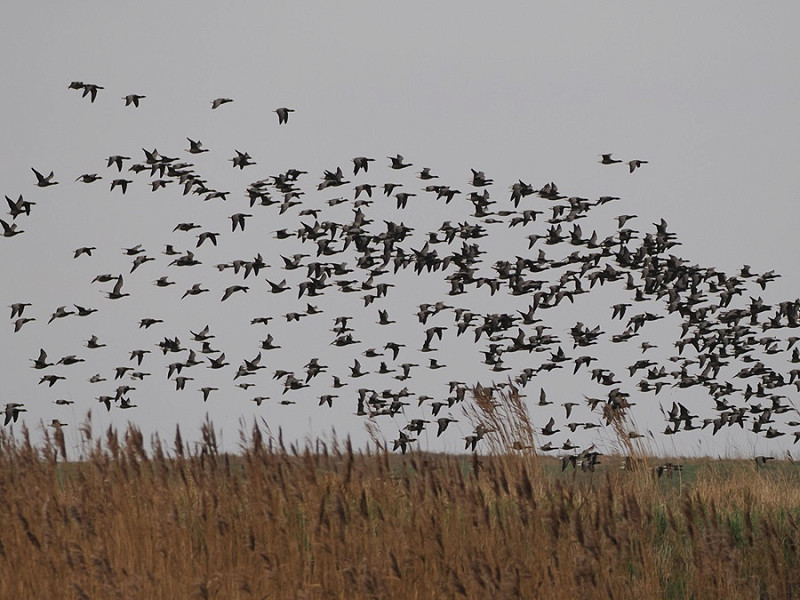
x=706, y=92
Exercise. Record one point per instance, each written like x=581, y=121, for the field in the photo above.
x=130, y=521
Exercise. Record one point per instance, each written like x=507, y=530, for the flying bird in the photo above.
x=283, y=114
x=19, y=323
x=117, y=292
x=635, y=164
x=87, y=250
x=20, y=207
x=121, y=183
x=12, y=411
x=479, y=179
x=219, y=102
x=549, y=428
x=196, y=147
x=41, y=362
x=10, y=230
x=18, y=308
x=607, y=160
x=361, y=162
x=229, y=291
x=88, y=178
x=116, y=159
x=91, y=89
x=42, y=181
x=133, y=99
x=195, y=290
x=397, y=162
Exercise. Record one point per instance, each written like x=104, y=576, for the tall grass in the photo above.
x=329, y=522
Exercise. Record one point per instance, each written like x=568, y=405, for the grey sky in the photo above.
x=706, y=92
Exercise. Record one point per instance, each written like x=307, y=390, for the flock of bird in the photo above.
x=729, y=343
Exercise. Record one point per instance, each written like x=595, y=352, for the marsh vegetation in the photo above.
x=137, y=520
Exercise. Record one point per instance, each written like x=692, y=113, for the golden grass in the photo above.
x=130, y=522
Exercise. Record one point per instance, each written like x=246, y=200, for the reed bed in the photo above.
x=133, y=522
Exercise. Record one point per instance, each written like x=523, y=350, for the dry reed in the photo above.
x=328, y=522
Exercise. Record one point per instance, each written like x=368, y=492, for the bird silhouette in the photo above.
x=10, y=230
x=397, y=162
x=117, y=292
x=12, y=412
x=607, y=160
x=42, y=181
x=19, y=207
x=361, y=163
x=283, y=115
x=133, y=99
x=196, y=147
x=91, y=89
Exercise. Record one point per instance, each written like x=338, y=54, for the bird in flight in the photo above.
x=10, y=230
x=116, y=159
x=479, y=179
x=233, y=289
x=283, y=114
x=133, y=99
x=397, y=162
x=41, y=362
x=43, y=181
x=196, y=147
x=361, y=162
x=88, y=88
x=219, y=102
x=20, y=207
x=635, y=164
x=12, y=412
x=122, y=183
x=117, y=292
x=242, y=160
x=607, y=160
x=18, y=308
x=88, y=178
x=91, y=88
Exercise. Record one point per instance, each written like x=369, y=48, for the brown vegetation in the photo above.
x=332, y=523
